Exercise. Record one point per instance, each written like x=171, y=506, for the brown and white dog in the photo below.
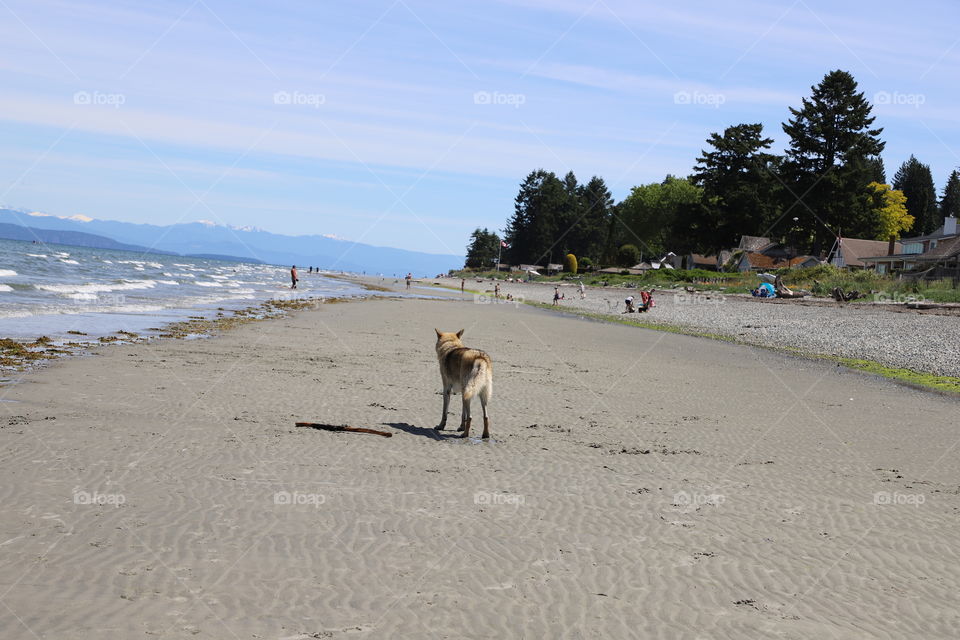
x=469, y=371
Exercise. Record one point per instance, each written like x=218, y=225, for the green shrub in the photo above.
x=628, y=255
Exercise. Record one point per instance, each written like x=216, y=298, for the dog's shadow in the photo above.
x=426, y=432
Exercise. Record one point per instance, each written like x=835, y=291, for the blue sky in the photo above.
x=406, y=123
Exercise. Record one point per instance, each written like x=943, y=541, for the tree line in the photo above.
x=829, y=181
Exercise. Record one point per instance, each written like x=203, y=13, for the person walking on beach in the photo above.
x=496, y=291
x=293, y=277
x=556, y=296
x=463, y=282
x=408, y=278
x=583, y=293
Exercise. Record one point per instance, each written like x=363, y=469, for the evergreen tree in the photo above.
x=740, y=188
x=483, y=249
x=532, y=231
x=915, y=180
x=827, y=166
x=593, y=227
x=878, y=173
x=950, y=202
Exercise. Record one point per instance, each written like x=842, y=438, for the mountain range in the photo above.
x=213, y=240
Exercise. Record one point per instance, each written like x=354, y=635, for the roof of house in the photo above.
x=945, y=249
x=632, y=271
x=936, y=234
x=696, y=258
x=753, y=243
x=854, y=249
x=761, y=261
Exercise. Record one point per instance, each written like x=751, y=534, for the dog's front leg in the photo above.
x=446, y=405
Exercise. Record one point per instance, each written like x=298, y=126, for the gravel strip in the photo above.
x=920, y=341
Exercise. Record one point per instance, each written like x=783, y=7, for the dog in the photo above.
x=468, y=371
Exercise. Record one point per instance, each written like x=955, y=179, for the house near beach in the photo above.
x=705, y=263
x=938, y=251
x=850, y=252
x=756, y=261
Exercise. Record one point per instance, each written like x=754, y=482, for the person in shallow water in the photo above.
x=293, y=277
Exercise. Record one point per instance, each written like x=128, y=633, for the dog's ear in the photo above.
x=460, y=333
x=438, y=331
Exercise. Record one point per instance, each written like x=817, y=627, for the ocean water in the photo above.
x=48, y=289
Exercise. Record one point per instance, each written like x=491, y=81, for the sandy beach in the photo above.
x=637, y=484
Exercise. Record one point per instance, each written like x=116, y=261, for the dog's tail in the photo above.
x=481, y=380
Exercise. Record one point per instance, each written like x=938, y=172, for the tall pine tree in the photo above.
x=915, y=180
x=533, y=230
x=592, y=231
x=827, y=167
x=950, y=202
x=483, y=249
x=740, y=188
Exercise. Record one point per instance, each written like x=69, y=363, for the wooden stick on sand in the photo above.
x=342, y=427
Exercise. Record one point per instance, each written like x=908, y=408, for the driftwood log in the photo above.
x=343, y=427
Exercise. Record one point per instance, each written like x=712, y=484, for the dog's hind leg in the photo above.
x=446, y=405
x=466, y=417
x=484, y=396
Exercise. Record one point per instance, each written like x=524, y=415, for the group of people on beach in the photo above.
x=646, y=302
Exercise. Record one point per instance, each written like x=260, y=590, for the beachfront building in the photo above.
x=918, y=252
x=850, y=252
x=706, y=263
x=756, y=261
